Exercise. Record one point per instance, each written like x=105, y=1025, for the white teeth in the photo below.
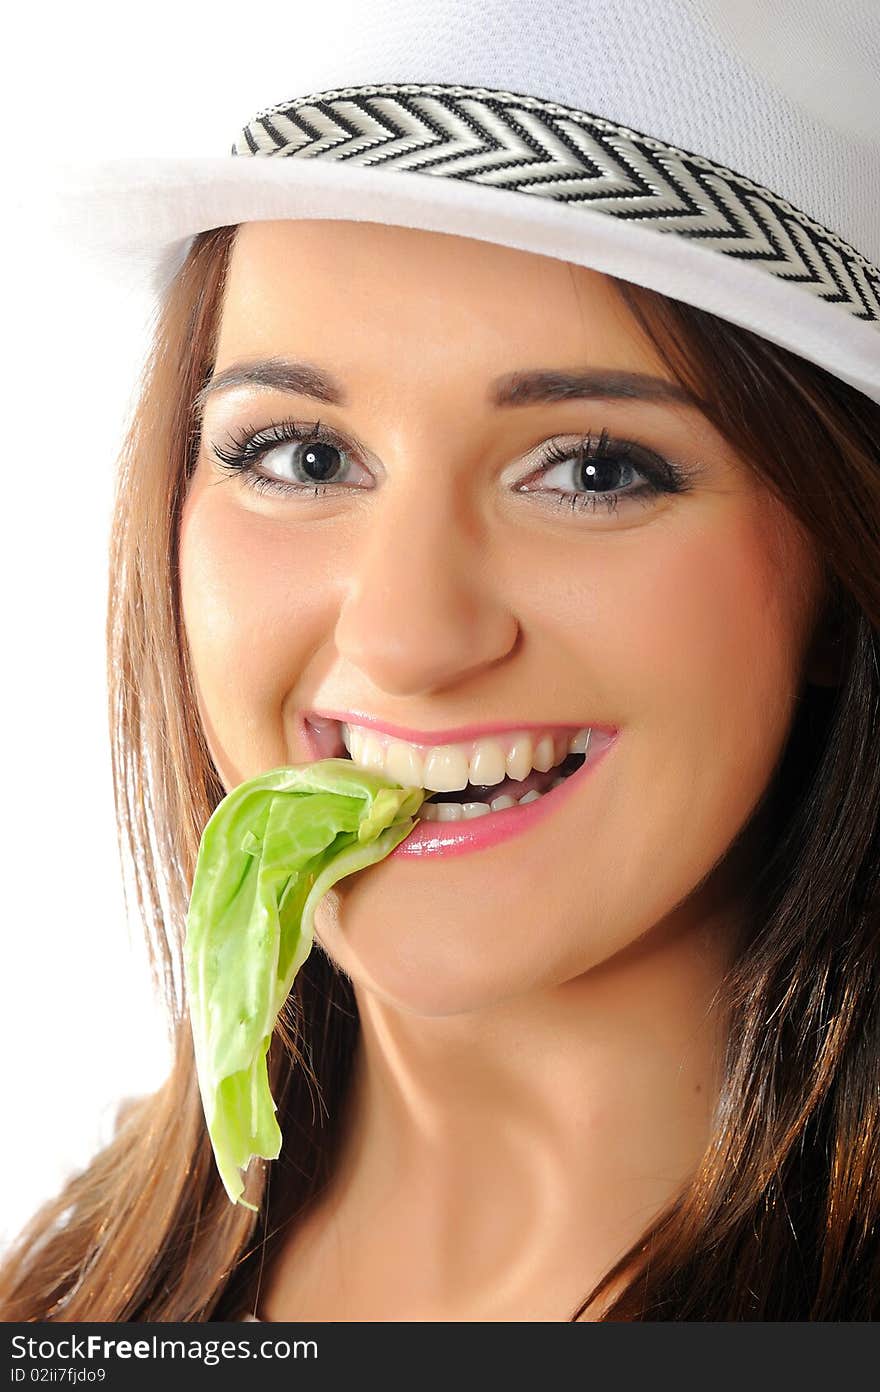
x=404, y=765
x=453, y=811
x=544, y=756
x=371, y=754
x=580, y=743
x=446, y=769
x=488, y=764
x=466, y=811
x=519, y=758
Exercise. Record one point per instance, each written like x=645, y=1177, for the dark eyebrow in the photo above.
x=534, y=387
x=273, y=374
x=601, y=383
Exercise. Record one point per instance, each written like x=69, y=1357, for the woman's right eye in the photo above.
x=314, y=459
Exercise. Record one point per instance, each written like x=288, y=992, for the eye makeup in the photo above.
x=322, y=461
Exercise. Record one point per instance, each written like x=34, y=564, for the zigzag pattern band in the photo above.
x=510, y=141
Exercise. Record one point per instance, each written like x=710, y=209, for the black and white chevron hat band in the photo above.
x=525, y=145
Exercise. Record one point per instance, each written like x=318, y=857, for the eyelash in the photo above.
x=244, y=449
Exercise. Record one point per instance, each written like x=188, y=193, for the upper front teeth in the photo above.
x=447, y=767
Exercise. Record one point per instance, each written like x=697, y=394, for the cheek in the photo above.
x=695, y=642
x=701, y=627
x=252, y=613
x=718, y=634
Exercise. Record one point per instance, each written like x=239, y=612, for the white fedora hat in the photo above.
x=723, y=152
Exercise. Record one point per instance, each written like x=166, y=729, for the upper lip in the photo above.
x=451, y=736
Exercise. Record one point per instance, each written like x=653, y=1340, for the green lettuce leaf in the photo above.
x=269, y=852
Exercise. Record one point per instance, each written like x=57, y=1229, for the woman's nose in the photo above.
x=422, y=610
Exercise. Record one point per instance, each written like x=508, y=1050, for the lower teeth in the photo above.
x=464, y=811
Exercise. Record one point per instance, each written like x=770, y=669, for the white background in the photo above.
x=79, y=1029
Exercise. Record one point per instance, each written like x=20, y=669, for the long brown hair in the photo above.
x=781, y=1220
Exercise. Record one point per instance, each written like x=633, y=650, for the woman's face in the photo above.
x=424, y=588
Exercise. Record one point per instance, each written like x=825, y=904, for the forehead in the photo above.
x=370, y=294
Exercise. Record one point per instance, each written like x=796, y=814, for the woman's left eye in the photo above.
x=589, y=473
x=597, y=472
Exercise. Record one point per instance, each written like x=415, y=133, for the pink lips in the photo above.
x=322, y=722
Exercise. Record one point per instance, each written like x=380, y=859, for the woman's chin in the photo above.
x=424, y=967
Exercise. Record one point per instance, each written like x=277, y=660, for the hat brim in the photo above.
x=135, y=220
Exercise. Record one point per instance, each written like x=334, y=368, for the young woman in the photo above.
x=610, y=1053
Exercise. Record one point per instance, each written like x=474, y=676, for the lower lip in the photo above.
x=478, y=833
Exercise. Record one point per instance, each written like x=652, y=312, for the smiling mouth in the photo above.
x=471, y=778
